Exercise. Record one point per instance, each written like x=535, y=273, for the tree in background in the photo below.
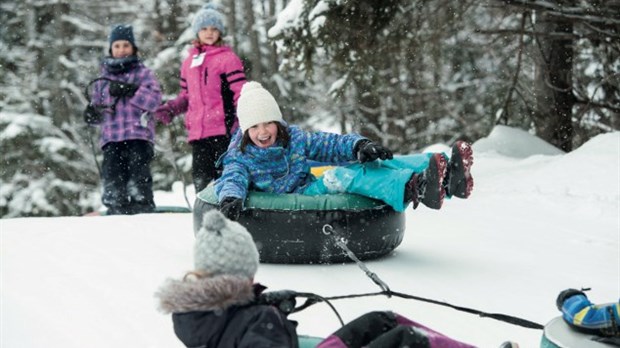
x=573, y=90
x=407, y=73
x=417, y=72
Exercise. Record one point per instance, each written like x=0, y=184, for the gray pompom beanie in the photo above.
x=208, y=16
x=224, y=247
x=256, y=105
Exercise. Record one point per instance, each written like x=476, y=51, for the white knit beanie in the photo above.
x=224, y=247
x=256, y=105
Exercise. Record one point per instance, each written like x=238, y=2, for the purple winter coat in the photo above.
x=211, y=80
x=129, y=119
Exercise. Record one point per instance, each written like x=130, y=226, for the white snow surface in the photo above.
x=536, y=223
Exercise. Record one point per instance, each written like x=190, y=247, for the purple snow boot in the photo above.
x=459, y=181
x=428, y=187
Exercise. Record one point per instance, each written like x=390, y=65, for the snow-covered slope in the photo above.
x=539, y=221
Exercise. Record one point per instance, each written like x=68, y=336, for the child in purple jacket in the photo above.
x=125, y=94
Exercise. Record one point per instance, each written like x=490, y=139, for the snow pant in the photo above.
x=384, y=329
x=205, y=153
x=126, y=176
x=382, y=180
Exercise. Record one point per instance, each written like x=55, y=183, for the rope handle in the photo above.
x=341, y=242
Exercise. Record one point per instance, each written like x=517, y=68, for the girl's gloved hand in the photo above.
x=369, y=151
x=163, y=114
x=121, y=89
x=231, y=207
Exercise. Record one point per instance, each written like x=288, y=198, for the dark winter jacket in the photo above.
x=280, y=169
x=222, y=312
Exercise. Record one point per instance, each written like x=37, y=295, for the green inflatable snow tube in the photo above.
x=288, y=228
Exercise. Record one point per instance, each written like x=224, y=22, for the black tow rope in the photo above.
x=341, y=242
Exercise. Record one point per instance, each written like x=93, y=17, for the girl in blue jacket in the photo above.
x=268, y=155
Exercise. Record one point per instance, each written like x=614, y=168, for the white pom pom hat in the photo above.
x=256, y=105
x=224, y=247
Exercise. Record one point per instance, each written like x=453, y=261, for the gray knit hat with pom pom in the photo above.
x=224, y=247
x=208, y=16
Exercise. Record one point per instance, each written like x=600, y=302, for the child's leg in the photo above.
x=435, y=338
x=459, y=181
x=140, y=185
x=114, y=178
x=361, y=331
x=205, y=153
x=402, y=336
x=371, y=180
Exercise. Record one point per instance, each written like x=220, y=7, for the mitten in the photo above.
x=283, y=299
x=164, y=114
x=231, y=207
x=120, y=89
x=368, y=151
x=565, y=294
x=92, y=115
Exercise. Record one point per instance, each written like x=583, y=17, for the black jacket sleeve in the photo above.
x=269, y=328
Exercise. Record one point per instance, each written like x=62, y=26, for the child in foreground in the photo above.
x=267, y=154
x=217, y=305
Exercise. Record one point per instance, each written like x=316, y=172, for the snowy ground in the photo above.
x=538, y=222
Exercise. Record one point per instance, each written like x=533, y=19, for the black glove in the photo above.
x=121, y=89
x=283, y=299
x=92, y=115
x=368, y=151
x=564, y=295
x=231, y=207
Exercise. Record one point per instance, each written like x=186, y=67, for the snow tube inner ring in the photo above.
x=288, y=228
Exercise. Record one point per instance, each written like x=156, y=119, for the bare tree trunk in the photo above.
x=255, y=46
x=553, y=83
x=272, y=67
x=231, y=19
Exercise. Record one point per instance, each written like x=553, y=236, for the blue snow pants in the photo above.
x=382, y=180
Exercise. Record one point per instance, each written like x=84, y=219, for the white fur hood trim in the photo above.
x=206, y=294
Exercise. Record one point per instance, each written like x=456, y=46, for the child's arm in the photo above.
x=234, y=181
x=579, y=312
x=235, y=76
x=330, y=147
x=148, y=95
x=166, y=112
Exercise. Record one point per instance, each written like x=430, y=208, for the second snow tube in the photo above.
x=288, y=228
x=558, y=334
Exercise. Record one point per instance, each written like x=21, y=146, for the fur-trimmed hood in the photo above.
x=205, y=294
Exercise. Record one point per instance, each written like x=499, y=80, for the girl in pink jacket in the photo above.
x=211, y=79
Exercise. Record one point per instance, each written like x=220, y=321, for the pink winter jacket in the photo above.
x=211, y=80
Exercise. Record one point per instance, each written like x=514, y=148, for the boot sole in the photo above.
x=437, y=168
x=461, y=182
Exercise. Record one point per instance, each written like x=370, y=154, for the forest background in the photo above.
x=407, y=73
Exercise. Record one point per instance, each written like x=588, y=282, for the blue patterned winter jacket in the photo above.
x=603, y=319
x=281, y=170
